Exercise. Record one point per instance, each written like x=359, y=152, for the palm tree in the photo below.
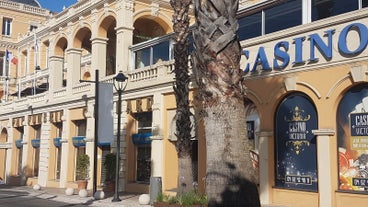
x=181, y=89
x=230, y=178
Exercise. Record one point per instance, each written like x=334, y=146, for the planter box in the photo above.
x=163, y=204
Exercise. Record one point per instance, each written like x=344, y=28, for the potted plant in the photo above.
x=82, y=168
x=110, y=167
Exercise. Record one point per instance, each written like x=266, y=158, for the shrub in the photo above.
x=184, y=199
x=82, y=167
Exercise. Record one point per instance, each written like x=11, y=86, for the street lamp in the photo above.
x=37, y=68
x=119, y=85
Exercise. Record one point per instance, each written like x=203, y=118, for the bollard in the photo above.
x=155, y=188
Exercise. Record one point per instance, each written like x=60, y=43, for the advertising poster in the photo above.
x=352, y=136
x=295, y=145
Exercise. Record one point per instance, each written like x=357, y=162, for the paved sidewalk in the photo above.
x=55, y=194
x=58, y=194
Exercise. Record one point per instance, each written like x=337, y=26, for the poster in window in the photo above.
x=352, y=136
x=295, y=145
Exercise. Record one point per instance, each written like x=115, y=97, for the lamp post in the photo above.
x=119, y=85
x=37, y=68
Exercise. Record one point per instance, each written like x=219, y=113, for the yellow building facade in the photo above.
x=48, y=99
x=305, y=81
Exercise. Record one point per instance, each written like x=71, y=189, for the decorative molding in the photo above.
x=155, y=9
x=290, y=83
x=333, y=88
x=265, y=134
x=259, y=100
x=323, y=132
x=358, y=73
x=129, y=5
x=315, y=91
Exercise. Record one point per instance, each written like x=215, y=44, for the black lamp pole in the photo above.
x=95, y=146
x=119, y=80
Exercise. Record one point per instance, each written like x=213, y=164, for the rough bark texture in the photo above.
x=230, y=178
x=181, y=89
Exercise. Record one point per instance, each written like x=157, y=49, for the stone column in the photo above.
x=56, y=66
x=157, y=138
x=264, y=170
x=99, y=55
x=25, y=146
x=44, y=150
x=324, y=157
x=124, y=34
x=65, y=149
x=74, y=65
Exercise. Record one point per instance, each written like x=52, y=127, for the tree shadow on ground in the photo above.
x=240, y=192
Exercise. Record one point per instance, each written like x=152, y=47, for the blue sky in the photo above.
x=56, y=5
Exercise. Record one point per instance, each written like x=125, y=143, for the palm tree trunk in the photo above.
x=230, y=178
x=181, y=89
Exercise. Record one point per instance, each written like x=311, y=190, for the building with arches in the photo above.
x=47, y=116
x=305, y=65
x=305, y=69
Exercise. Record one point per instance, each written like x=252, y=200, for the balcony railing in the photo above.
x=11, y=5
x=158, y=73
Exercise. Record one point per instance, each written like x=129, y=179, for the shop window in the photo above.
x=352, y=138
x=7, y=24
x=58, y=149
x=58, y=162
x=327, y=8
x=36, y=154
x=283, y=16
x=19, y=155
x=143, y=159
x=105, y=151
x=79, y=140
x=295, y=145
x=19, y=161
x=143, y=163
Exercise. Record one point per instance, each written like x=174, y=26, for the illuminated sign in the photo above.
x=295, y=145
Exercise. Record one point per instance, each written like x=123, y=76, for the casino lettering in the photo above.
x=282, y=58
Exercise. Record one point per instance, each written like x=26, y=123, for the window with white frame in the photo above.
x=7, y=23
x=144, y=121
x=283, y=14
